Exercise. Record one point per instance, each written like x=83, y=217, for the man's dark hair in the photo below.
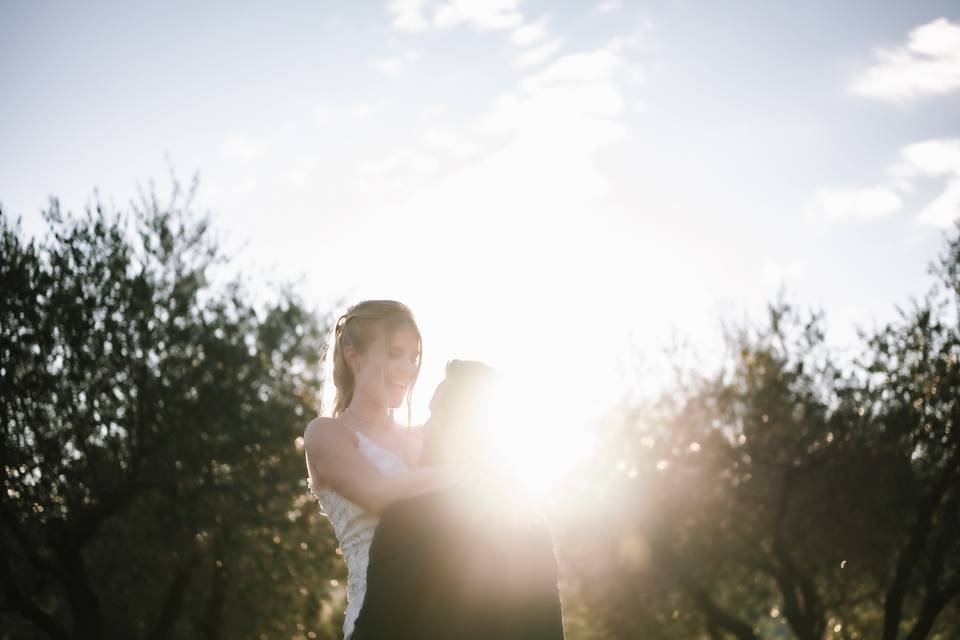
x=471, y=384
x=469, y=390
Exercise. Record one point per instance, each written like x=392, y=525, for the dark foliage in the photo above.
x=152, y=482
x=786, y=496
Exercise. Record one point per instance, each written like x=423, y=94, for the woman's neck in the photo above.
x=368, y=413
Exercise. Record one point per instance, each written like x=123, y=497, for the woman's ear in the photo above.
x=351, y=355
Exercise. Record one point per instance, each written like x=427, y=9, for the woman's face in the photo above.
x=385, y=372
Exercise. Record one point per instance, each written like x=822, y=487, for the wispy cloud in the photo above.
x=241, y=145
x=409, y=15
x=395, y=64
x=363, y=110
x=528, y=197
x=776, y=272
x=874, y=202
x=530, y=33
x=517, y=142
x=534, y=149
x=538, y=55
x=938, y=158
x=484, y=15
x=927, y=64
x=451, y=142
x=609, y=6
x=325, y=115
x=481, y=14
x=578, y=94
x=401, y=165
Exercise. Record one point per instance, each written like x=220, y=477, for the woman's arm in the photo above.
x=334, y=460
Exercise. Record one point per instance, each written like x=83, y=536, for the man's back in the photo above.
x=445, y=565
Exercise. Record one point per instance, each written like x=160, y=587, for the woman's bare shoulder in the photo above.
x=324, y=431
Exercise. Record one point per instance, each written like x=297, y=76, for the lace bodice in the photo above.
x=354, y=526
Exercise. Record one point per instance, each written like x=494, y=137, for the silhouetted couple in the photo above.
x=471, y=561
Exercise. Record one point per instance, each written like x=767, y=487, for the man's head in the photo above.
x=461, y=406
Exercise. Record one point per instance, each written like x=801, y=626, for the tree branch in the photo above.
x=173, y=601
x=910, y=553
x=801, y=603
x=717, y=618
x=935, y=599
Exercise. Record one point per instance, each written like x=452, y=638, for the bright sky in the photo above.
x=552, y=187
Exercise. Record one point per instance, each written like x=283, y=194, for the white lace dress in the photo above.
x=354, y=526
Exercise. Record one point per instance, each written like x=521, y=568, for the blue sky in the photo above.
x=552, y=187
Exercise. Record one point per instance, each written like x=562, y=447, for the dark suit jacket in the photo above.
x=443, y=565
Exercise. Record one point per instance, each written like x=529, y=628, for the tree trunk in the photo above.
x=173, y=601
x=84, y=603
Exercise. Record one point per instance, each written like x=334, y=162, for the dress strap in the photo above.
x=391, y=452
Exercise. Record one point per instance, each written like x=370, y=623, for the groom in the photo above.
x=469, y=562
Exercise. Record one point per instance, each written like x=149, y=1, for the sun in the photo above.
x=547, y=404
x=537, y=441
x=549, y=300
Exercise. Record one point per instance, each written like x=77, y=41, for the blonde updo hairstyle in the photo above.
x=359, y=327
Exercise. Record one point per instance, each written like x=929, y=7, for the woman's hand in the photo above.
x=334, y=460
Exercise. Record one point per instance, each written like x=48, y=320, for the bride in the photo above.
x=359, y=459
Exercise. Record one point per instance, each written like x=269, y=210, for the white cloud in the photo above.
x=579, y=95
x=325, y=115
x=538, y=55
x=609, y=6
x=394, y=65
x=484, y=15
x=487, y=15
x=578, y=69
x=530, y=33
x=240, y=145
x=442, y=138
x=450, y=142
x=298, y=177
x=536, y=146
x=525, y=164
x=928, y=64
x=363, y=110
x=875, y=202
x=520, y=216
x=401, y=163
x=938, y=158
x=933, y=157
x=408, y=15
x=777, y=272
x=945, y=208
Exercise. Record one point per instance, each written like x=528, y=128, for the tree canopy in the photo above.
x=784, y=496
x=153, y=486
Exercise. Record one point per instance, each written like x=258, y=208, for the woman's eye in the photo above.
x=414, y=359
